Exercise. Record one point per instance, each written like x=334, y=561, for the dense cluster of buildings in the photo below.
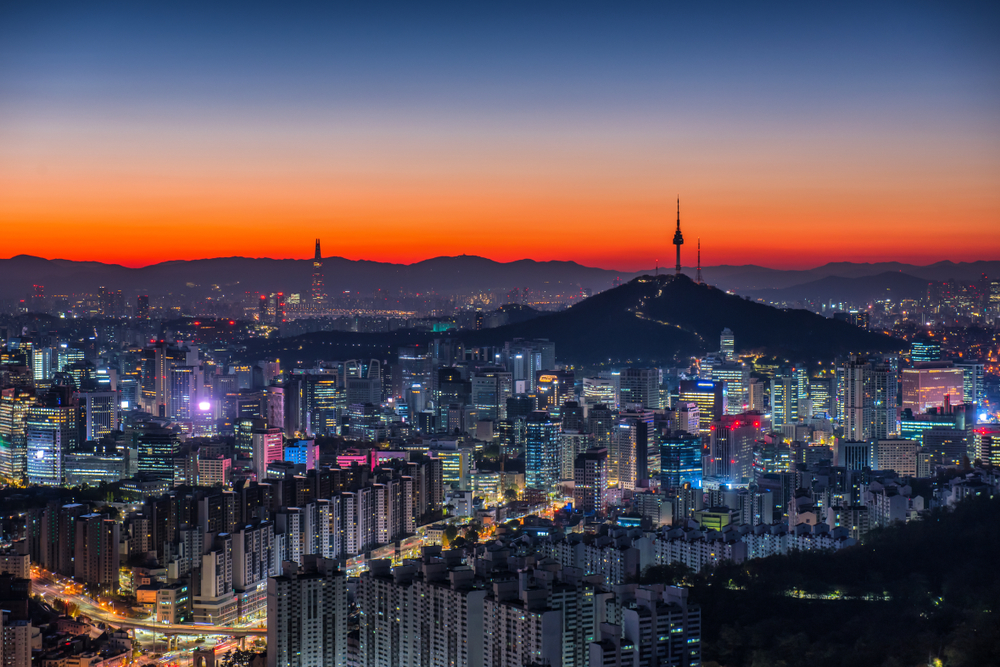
x=451, y=504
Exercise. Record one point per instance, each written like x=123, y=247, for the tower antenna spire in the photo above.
x=699, y=262
x=678, y=238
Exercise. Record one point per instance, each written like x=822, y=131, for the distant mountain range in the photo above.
x=441, y=275
x=890, y=285
x=236, y=275
x=750, y=278
x=649, y=320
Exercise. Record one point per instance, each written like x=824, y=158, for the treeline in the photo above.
x=923, y=593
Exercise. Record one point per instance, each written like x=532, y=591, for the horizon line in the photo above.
x=515, y=261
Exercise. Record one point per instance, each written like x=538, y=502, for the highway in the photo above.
x=45, y=585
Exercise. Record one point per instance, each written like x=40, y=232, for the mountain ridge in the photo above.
x=443, y=275
x=650, y=320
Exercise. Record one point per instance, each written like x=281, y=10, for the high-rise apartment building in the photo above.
x=16, y=636
x=96, y=560
x=426, y=613
x=307, y=615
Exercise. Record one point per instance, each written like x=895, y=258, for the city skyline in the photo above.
x=143, y=134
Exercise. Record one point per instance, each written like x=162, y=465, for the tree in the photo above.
x=238, y=658
x=510, y=494
x=450, y=533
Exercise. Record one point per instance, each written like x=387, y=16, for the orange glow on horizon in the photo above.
x=606, y=207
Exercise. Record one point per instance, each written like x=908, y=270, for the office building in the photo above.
x=730, y=449
x=317, y=288
x=930, y=385
x=785, y=394
x=51, y=430
x=710, y=397
x=727, y=344
x=640, y=386
x=267, y=447
x=571, y=444
x=737, y=379
x=869, y=399
x=973, y=382
x=680, y=459
x=490, y=389
x=524, y=358
x=985, y=444
x=685, y=417
x=823, y=397
x=898, y=455
x=99, y=413
x=552, y=388
x=13, y=434
x=856, y=455
x=542, y=466
x=632, y=448
x=156, y=447
x=590, y=476
x=599, y=391
x=925, y=349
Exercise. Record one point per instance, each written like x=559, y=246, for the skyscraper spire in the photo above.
x=678, y=238
x=318, y=289
x=699, y=262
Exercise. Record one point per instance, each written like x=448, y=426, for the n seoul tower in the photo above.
x=678, y=238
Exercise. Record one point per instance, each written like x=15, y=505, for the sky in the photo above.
x=794, y=133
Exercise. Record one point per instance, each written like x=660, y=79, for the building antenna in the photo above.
x=678, y=238
x=699, y=263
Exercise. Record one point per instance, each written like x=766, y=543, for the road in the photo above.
x=50, y=591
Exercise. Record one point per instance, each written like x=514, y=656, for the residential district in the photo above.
x=172, y=500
